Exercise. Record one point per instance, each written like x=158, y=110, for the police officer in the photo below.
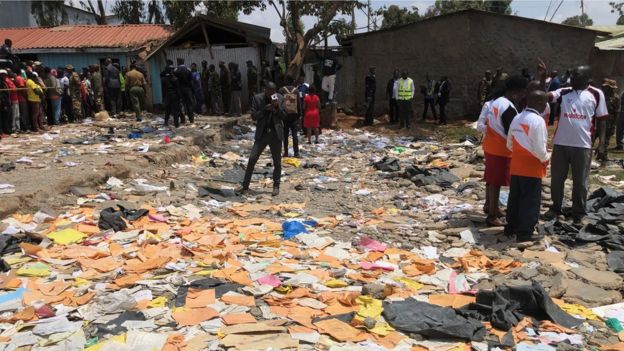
x=404, y=89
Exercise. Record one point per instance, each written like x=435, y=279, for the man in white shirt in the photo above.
x=527, y=139
x=582, y=107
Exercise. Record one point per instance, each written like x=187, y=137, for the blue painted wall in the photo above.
x=80, y=60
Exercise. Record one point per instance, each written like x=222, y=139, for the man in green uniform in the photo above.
x=612, y=98
x=252, y=80
x=135, y=82
x=485, y=87
x=215, y=90
x=74, y=91
x=96, y=85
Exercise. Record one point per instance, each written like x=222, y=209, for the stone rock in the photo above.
x=454, y=231
x=462, y=172
x=578, y=292
x=377, y=291
x=433, y=189
x=603, y=279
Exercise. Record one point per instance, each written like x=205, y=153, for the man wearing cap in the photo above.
x=74, y=91
x=226, y=86
x=252, y=80
x=612, y=98
x=485, y=87
x=370, y=87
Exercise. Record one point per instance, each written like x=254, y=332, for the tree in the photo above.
x=178, y=12
x=230, y=9
x=49, y=13
x=130, y=12
x=619, y=8
x=578, y=21
x=396, y=16
x=442, y=7
x=99, y=15
x=298, y=40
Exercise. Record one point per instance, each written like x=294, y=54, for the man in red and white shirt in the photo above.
x=582, y=108
x=527, y=139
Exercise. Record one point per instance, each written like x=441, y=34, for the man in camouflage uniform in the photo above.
x=96, y=85
x=612, y=98
x=485, y=87
x=74, y=91
x=215, y=90
x=252, y=80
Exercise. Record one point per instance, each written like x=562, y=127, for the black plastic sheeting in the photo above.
x=114, y=327
x=505, y=306
x=218, y=194
x=387, y=164
x=430, y=176
x=605, y=208
x=233, y=175
x=113, y=219
x=10, y=244
x=412, y=316
x=221, y=288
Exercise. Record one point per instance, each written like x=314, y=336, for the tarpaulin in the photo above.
x=505, y=306
x=219, y=194
x=113, y=219
x=387, y=164
x=412, y=316
x=431, y=176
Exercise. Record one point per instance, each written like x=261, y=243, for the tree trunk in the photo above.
x=102, y=20
x=294, y=66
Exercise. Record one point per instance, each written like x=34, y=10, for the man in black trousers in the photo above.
x=369, y=95
x=267, y=109
x=391, y=95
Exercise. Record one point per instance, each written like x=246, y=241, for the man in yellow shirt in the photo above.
x=135, y=82
x=34, y=94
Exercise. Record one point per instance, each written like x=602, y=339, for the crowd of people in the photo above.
x=514, y=118
x=34, y=97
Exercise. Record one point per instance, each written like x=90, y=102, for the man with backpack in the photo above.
x=292, y=108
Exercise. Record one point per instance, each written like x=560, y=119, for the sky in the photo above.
x=598, y=10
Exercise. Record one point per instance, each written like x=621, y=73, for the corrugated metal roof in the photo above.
x=83, y=36
x=611, y=44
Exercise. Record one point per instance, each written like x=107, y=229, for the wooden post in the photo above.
x=207, y=41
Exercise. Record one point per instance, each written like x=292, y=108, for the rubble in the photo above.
x=376, y=242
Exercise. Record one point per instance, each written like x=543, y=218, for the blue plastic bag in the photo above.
x=293, y=228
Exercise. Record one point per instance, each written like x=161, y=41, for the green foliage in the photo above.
x=178, y=11
x=48, y=13
x=442, y=7
x=578, y=21
x=130, y=12
x=396, y=16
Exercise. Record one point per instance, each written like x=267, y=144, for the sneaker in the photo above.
x=275, y=191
